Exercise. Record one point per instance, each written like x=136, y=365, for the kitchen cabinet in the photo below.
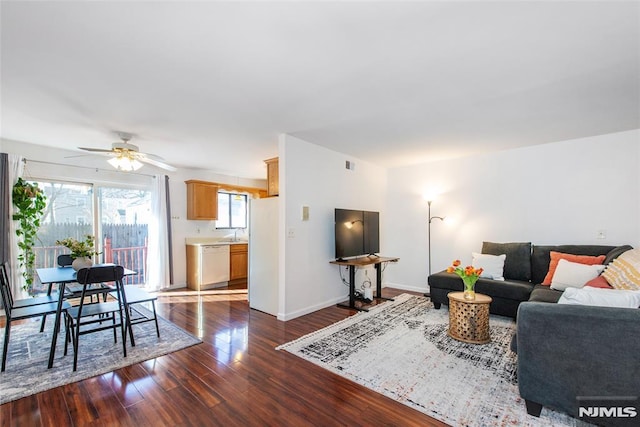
x=202, y=200
x=272, y=177
x=239, y=257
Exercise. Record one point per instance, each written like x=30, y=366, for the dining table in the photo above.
x=61, y=276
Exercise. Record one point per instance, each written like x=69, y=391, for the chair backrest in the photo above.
x=65, y=260
x=99, y=274
x=5, y=290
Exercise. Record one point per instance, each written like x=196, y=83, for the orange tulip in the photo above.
x=456, y=263
x=450, y=269
x=479, y=271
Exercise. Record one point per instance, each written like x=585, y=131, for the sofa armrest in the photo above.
x=566, y=351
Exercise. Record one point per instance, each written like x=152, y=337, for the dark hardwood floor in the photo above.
x=234, y=378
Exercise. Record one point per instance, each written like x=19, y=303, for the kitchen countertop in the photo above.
x=207, y=241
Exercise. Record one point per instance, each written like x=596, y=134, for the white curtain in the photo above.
x=16, y=168
x=158, y=256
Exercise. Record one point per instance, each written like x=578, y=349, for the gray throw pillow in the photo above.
x=517, y=265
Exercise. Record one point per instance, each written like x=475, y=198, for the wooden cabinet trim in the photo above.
x=273, y=178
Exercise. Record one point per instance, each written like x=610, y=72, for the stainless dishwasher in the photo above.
x=207, y=266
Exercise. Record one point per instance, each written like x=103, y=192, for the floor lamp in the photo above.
x=431, y=218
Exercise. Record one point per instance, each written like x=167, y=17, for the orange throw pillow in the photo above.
x=599, y=282
x=580, y=259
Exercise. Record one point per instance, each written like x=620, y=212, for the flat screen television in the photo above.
x=356, y=232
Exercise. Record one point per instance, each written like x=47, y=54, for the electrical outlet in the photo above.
x=291, y=232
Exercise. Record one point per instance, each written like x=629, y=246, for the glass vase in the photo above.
x=469, y=288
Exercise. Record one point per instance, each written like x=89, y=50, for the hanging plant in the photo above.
x=30, y=202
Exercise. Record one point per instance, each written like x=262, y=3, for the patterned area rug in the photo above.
x=26, y=372
x=401, y=349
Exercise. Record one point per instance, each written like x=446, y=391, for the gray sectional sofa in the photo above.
x=568, y=355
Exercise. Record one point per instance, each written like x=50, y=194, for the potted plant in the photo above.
x=81, y=250
x=30, y=203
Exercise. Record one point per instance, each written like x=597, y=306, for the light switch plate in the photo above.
x=305, y=213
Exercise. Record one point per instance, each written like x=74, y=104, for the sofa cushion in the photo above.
x=624, y=271
x=517, y=264
x=518, y=290
x=540, y=257
x=507, y=289
x=574, y=274
x=581, y=259
x=543, y=293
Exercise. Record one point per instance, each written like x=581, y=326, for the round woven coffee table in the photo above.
x=469, y=319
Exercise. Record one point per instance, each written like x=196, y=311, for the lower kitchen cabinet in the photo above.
x=239, y=261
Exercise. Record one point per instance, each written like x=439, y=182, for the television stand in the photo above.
x=354, y=263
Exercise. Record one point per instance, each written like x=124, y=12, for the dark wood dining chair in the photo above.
x=98, y=316
x=22, y=309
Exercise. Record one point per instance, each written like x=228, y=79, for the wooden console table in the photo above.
x=364, y=261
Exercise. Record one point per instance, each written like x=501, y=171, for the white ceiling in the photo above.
x=212, y=84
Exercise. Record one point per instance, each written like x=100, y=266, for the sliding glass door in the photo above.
x=69, y=213
x=124, y=225
x=117, y=217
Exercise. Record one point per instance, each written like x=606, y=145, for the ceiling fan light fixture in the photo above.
x=125, y=162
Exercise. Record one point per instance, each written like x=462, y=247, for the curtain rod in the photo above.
x=25, y=160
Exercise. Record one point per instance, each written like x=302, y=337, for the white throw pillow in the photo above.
x=492, y=265
x=574, y=275
x=600, y=297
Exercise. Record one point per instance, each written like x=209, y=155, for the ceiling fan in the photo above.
x=127, y=157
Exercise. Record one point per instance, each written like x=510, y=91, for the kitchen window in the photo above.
x=232, y=210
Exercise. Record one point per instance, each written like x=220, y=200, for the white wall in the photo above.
x=547, y=194
x=555, y=193
x=316, y=177
x=181, y=227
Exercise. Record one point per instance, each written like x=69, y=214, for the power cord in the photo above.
x=366, y=284
x=344, y=281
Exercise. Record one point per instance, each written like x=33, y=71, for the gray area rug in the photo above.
x=401, y=349
x=26, y=372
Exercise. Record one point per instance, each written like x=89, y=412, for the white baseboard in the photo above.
x=288, y=316
x=423, y=289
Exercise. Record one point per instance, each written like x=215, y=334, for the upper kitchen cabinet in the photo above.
x=202, y=200
x=272, y=177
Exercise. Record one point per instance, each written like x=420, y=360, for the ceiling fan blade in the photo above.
x=77, y=155
x=95, y=150
x=157, y=163
x=149, y=156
